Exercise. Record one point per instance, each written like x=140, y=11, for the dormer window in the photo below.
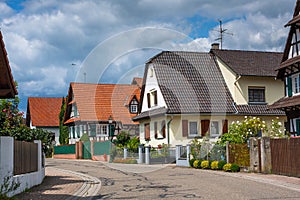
x=134, y=106
x=256, y=95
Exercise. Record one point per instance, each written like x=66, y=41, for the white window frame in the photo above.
x=101, y=130
x=197, y=128
x=295, y=84
x=212, y=127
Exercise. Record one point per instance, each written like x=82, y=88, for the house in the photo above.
x=289, y=72
x=43, y=112
x=7, y=85
x=188, y=95
x=92, y=108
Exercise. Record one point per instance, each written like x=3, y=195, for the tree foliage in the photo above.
x=11, y=124
x=63, y=130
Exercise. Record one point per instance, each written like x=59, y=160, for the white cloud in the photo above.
x=49, y=36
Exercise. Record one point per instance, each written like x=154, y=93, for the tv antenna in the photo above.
x=222, y=32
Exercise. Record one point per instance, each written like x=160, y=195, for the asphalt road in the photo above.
x=120, y=181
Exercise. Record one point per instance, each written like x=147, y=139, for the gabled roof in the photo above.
x=290, y=65
x=191, y=82
x=250, y=63
x=97, y=102
x=43, y=112
x=7, y=84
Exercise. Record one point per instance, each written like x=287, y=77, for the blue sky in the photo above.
x=51, y=43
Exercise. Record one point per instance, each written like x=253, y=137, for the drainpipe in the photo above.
x=168, y=129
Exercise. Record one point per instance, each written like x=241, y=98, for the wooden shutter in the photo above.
x=185, y=127
x=155, y=97
x=225, y=126
x=298, y=127
x=147, y=131
x=148, y=100
x=163, y=128
x=204, y=127
x=155, y=130
x=289, y=86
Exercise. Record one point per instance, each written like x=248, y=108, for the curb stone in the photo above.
x=89, y=188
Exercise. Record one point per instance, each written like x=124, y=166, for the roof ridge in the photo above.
x=240, y=50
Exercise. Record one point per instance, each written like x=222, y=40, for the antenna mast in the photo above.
x=221, y=32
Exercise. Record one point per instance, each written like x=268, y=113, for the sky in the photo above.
x=51, y=43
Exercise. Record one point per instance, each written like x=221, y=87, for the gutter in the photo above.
x=234, y=106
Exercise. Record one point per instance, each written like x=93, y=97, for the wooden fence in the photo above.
x=285, y=156
x=25, y=157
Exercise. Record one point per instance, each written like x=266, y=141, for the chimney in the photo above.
x=215, y=46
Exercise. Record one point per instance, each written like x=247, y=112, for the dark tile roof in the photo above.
x=191, y=82
x=151, y=113
x=250, y=63
x=258, y=110
x=7, y=85
x=287, y=103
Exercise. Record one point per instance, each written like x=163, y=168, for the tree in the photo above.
x=63, y=130
x=122, y=139
x=11, y=125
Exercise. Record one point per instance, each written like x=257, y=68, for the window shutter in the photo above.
x=225, y=126
x=163, y=128
x=289, y=85
x=155, y=97
x=148, y=100
x=147, y=131
x=155, y=130
x=185, y=124
x=204, y=127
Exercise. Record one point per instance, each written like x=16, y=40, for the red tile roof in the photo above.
x=97, y=102
x=7, y=84
x=137, y=81
x=43, y=111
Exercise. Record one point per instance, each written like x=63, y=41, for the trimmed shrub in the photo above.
x=214, y=165
x=235, y=167
x=197, y=164
x=227, y=167
x=205, y=164
x=192, y=162
x=221, y=164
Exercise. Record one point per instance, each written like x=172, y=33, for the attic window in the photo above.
x=134, y=106
x=151, y=72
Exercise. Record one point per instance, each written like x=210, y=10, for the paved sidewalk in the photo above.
x=63, y=184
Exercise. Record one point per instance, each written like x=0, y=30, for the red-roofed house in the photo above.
x=7, y=84
x=90, y=107
x=44, y=113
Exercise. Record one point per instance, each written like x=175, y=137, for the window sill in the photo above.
x=257, y=103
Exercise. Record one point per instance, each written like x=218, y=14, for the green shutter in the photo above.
x=298, y=127
x=289, y=85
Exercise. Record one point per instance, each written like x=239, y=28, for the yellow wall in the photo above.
x=238, y=86
x=176, y=137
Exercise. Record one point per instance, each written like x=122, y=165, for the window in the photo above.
x=193, y=130
x=101, y=129
x=152, y=98
x=256, y=95
x=214, y=128
x=134, y=106
x=151, y=72
x=295, y=44
x=163, y=129
x=295, y=84
x=155, y=130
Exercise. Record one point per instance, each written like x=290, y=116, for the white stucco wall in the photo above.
x=152, y=85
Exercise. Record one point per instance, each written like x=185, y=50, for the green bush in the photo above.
x=205, y=164
x=214, y=165
x=221, y=164
x=235, y=167
x=227, y=167
x=192, y=162
x=197, y=164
